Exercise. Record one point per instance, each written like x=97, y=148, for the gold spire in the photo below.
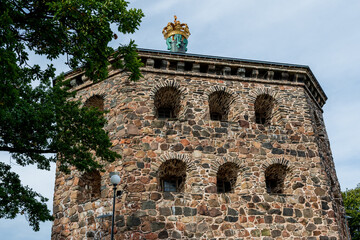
x=176, y=28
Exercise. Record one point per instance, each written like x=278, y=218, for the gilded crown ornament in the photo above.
x=176, y=28
x=176, y=35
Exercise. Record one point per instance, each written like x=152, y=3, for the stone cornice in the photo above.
x=232, y=69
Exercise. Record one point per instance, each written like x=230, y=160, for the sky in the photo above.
x=322, y=34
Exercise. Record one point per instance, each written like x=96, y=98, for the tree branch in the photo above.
x=25, y=150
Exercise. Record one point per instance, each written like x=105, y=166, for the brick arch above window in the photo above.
x=170, y=84
x=220, y=161
x=190, y=165
x=213, y=89
x=281, y=161
x=263, y=90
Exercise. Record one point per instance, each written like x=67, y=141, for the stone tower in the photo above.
x=213, y=148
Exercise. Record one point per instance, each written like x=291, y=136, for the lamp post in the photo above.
x=347, y=226
x=115, y=180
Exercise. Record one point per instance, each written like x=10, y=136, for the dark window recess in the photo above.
x=215, y=116
x=165, y=113
x=264, y=105
x=167, y=102
x=248, y=72
x=223, y=186
x=171, y=185
x=262, y=74
x=79, y=80
x=273, y=186
x=172, y=65
x=277, y=75
x=143, y=60
x=203, y=68
x=219, y=105
x=226, y=177
x=157, y=63
x=188, y=66
x=234, y=71
x=275, y=177
x=218, y=70
x=260, y=117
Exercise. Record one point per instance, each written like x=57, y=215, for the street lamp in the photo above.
x=115, y=180
x=347, y=226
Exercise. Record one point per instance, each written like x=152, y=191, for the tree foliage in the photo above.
x=352, y=208
x=35, y=117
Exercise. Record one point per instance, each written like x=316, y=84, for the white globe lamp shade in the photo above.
x=115, y=179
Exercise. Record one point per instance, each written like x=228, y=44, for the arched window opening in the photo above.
x=275, y=177
x=172, y=174
x=264, y=105
x=226, y=177
x=89, y=187
x=219, y=105
x=167, y=102
x=95, y=101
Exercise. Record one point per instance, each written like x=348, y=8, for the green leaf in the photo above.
x=35, y=117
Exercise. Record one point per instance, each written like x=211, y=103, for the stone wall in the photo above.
x=307, y=207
